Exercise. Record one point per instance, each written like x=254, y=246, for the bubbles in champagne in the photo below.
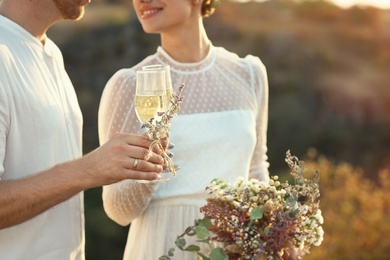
x=147, y=107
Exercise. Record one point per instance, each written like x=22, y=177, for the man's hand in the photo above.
x=122, y=157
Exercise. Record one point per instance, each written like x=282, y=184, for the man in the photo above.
x=42, y=172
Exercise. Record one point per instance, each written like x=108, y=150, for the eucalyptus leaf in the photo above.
x=202, y=256
x=256, y=213
x=218, y=254
x=192, y=248
x=202, y=232
x=180, y=243
x=205, y=222
x=171, y=252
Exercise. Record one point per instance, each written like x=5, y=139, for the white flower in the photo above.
x=319, y=216
x=229, y=198
x=313, y=224
x=299, y=237
x=320, y=231
x=236, y=203
x=304, y=209
x=262, y=183
x=307, y=222
x=319, y=241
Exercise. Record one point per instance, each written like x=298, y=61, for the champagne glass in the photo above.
x=168, y=86
x=150, y=94
x=168, y=81
x=150, y=98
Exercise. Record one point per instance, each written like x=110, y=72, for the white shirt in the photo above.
x=40, y=126
x=220, y=132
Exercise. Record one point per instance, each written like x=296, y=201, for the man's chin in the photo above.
x=77, y=16
x=80, y=16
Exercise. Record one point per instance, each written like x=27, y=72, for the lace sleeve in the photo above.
x=259, y=82
x=125, y=200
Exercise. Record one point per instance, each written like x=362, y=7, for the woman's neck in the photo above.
x=187, y=47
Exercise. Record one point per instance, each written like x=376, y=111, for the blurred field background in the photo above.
x=329, y=78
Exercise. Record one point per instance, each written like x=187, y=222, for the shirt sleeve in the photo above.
x=259, y=164
x=4, y=111
x=126, y=200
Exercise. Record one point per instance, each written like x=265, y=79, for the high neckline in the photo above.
x=186, y=67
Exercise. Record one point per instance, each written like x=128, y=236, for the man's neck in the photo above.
x=33, y=17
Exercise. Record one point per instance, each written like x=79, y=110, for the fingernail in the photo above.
x=171, y=145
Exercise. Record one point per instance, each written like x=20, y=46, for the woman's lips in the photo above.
x=149, y=12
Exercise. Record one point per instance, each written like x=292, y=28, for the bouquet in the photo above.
x=252, y=219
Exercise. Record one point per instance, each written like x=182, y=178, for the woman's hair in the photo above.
x=209, y=6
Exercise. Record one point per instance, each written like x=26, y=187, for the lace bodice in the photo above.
x=220, y=131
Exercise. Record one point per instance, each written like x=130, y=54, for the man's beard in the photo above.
x=69, y=9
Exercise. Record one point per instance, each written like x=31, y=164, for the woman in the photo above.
x=220, y=131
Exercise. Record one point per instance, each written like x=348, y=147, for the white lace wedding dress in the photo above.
x=220, y=132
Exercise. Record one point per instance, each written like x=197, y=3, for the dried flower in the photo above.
x=252, y=219
x=160, y=129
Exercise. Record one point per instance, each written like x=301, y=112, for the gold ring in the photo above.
x=135, y=164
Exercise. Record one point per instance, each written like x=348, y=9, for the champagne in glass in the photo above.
x=168, y=81
x=150, y=97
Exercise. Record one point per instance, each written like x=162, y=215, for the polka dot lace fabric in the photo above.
x=220, y=132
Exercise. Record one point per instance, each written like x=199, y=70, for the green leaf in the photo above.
x=192, y=248
x=164, y=257
x=266, y=230
x=202, y=256
x=171, y=252
x=203, y=240
x=256, y=213
x=218, y=254
x=205, y=222
x=180, y=243
x=202, y=232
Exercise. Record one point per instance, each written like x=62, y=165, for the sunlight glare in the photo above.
x=377, y=3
